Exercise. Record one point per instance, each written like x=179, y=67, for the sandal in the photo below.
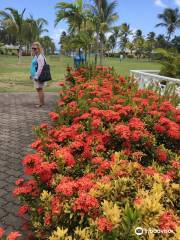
x=39, y=105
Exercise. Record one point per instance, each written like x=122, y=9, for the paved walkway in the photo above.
x=17, y=116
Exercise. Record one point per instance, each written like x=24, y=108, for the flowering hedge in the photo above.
x=108, y=165
x=11, y=236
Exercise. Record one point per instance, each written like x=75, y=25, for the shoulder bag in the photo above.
x=45, y=73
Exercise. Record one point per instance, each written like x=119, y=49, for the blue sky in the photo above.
x=140, y=14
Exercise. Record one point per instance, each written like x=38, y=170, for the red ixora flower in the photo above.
x=55, y=205
x=176, y=164
x=13, y=235
x=149, y=171
x=137, y=201
x=47, y=219
x=123, y=131
x=19, y=181
x=85, y=203
x=30, y=163
x=1, y=232
x=167, y=221
x=104, y=225
x=122, y=79
x=161, y=155
x=136, y=124
x=43, y=126
x=23, y=210
x=66, y=188
x=66, y=155
x=54, y=116
x=29, y=187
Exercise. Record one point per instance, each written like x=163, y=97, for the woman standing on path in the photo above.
x=36, y=69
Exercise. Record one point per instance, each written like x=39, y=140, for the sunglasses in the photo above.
x=34, y=48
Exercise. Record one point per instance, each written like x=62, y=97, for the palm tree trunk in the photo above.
x=97, y=47
x=89, y=52
x=19, y=53
x=101, y=52
x=85, y=60
x=169, y=36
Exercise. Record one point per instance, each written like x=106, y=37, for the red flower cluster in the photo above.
x=34, y=164
x=161, y=154
x=66, y=155
x=54, y=116
x=23, y=210
x=167, y=221
x=28, y=188
x=100, y=126
x=85, y=203
x=104, y=225
x=11, y=236
x=168, y=127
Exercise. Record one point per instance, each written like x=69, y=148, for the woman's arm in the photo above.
x=41, y=62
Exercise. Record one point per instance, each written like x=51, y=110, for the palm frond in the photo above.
x=161, y=25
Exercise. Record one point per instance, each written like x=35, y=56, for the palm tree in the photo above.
x=111, y=43
x=33, y=29
x=40, y=26
x=130, y=46
x=176, y=43
x=88, y=34
x=138, y=42
x=138, y=34
x=66, y=43
x=151, y=36
x=114, y=37
x=161, y=41
x=170, y=20
x=48, y=45
x=149, y=44
x=73, y=13
x=14, y=21
x=125, y=31
x=104, y=15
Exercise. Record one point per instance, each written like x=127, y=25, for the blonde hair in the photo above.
x=38, y=45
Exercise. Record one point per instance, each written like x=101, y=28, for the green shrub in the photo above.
x=170, y=61
x=168, y=70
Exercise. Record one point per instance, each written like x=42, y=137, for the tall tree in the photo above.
x=48, y=45
x=170, y=20
x=33, y=29
x=161, y=41
x=104, y=15
x=138, y=34
x=138, y=42
x=113, y=38
x=125, y=32
x=73, y=13
x=176, y=43
x=149, y=44
x=130, y=46
x=14, y=21
x=151, y=36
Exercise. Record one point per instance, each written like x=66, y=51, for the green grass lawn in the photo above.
x=14, y=76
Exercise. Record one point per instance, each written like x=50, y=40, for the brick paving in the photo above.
x=18, y=115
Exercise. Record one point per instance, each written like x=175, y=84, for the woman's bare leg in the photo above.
x=41, y=96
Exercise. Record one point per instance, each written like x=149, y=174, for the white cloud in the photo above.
x=177, y=2
x=161, y=4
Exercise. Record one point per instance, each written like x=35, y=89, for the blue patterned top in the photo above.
x=34, y=66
